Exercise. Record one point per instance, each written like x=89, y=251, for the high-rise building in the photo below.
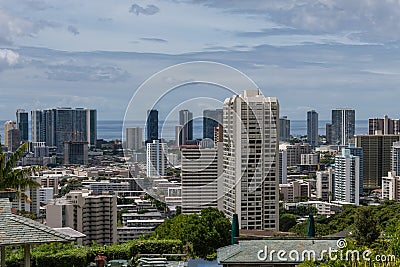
x=343, y=126
x=8, y=125
x=178, y=136
x=211, y=118
x=201, y=178
x=59, y=125
x=76, y=153
x=134, y=138
x=383, y=125
x=92, y=127
x=12, y=136
x=284, y=129
x=14, y=139
x=157, y=161
x=22, y=124
x=376, y=156
x=186, y=120
x=93, y=215
x=37, y=126
x=152, y=125
x=347, y=178
x=328, y=133
x=358, y=151
x=312, y=128
x=325, y=184
x=395, y=155
x=250, y=165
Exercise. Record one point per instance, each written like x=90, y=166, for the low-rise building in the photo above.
x=137, y=224
x=323, y=208
x=295, y=191
x=391, y=186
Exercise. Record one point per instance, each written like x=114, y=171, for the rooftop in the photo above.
x=15, y=230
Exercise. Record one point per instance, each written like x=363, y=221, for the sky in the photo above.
x=310, y=54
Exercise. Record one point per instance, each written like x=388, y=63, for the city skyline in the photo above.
x=310, y=55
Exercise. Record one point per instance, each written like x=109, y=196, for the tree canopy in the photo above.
x=204, y=232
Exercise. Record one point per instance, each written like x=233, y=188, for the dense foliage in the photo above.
x=203, y=233
x=67, y=255
x=286, y=221
x=374, y=228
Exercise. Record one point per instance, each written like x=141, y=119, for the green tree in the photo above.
x=286, y=221
x=202, y=234
x=16, y=179
x=366, y=226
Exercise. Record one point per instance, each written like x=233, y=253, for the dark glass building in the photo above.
x=59, y=125
x=152, y=126
x=22, y=124
x=211, y=119
x=312, y=128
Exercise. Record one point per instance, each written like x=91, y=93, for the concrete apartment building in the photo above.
x=391, y=186
x=99, y=187
x=93, y=215
x=251, y=160
x=395, y=155
x=295, y=191
x=324, y=185
x=157, y=161
x=347, y=178
x=383, y=125
x=201, y=178
x=134, y=138
x=136, y=224
x=294, y=152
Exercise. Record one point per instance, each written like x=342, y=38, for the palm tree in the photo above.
x=16, y=180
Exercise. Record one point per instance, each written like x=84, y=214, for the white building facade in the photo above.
x=251, y=160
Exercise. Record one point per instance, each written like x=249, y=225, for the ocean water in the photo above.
x=112, y=129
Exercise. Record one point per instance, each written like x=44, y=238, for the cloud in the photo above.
x=72, y=29
x=14, y=26
x=156, y=40
x=8, y=58
x=74, y=73
x=148, y=10
x=37, y=5
x=364, y=19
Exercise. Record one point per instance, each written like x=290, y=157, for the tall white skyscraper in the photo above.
x=312, y=128
x=347, y=177
x=157, y=161
x=251, y=159
x=395, y=164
